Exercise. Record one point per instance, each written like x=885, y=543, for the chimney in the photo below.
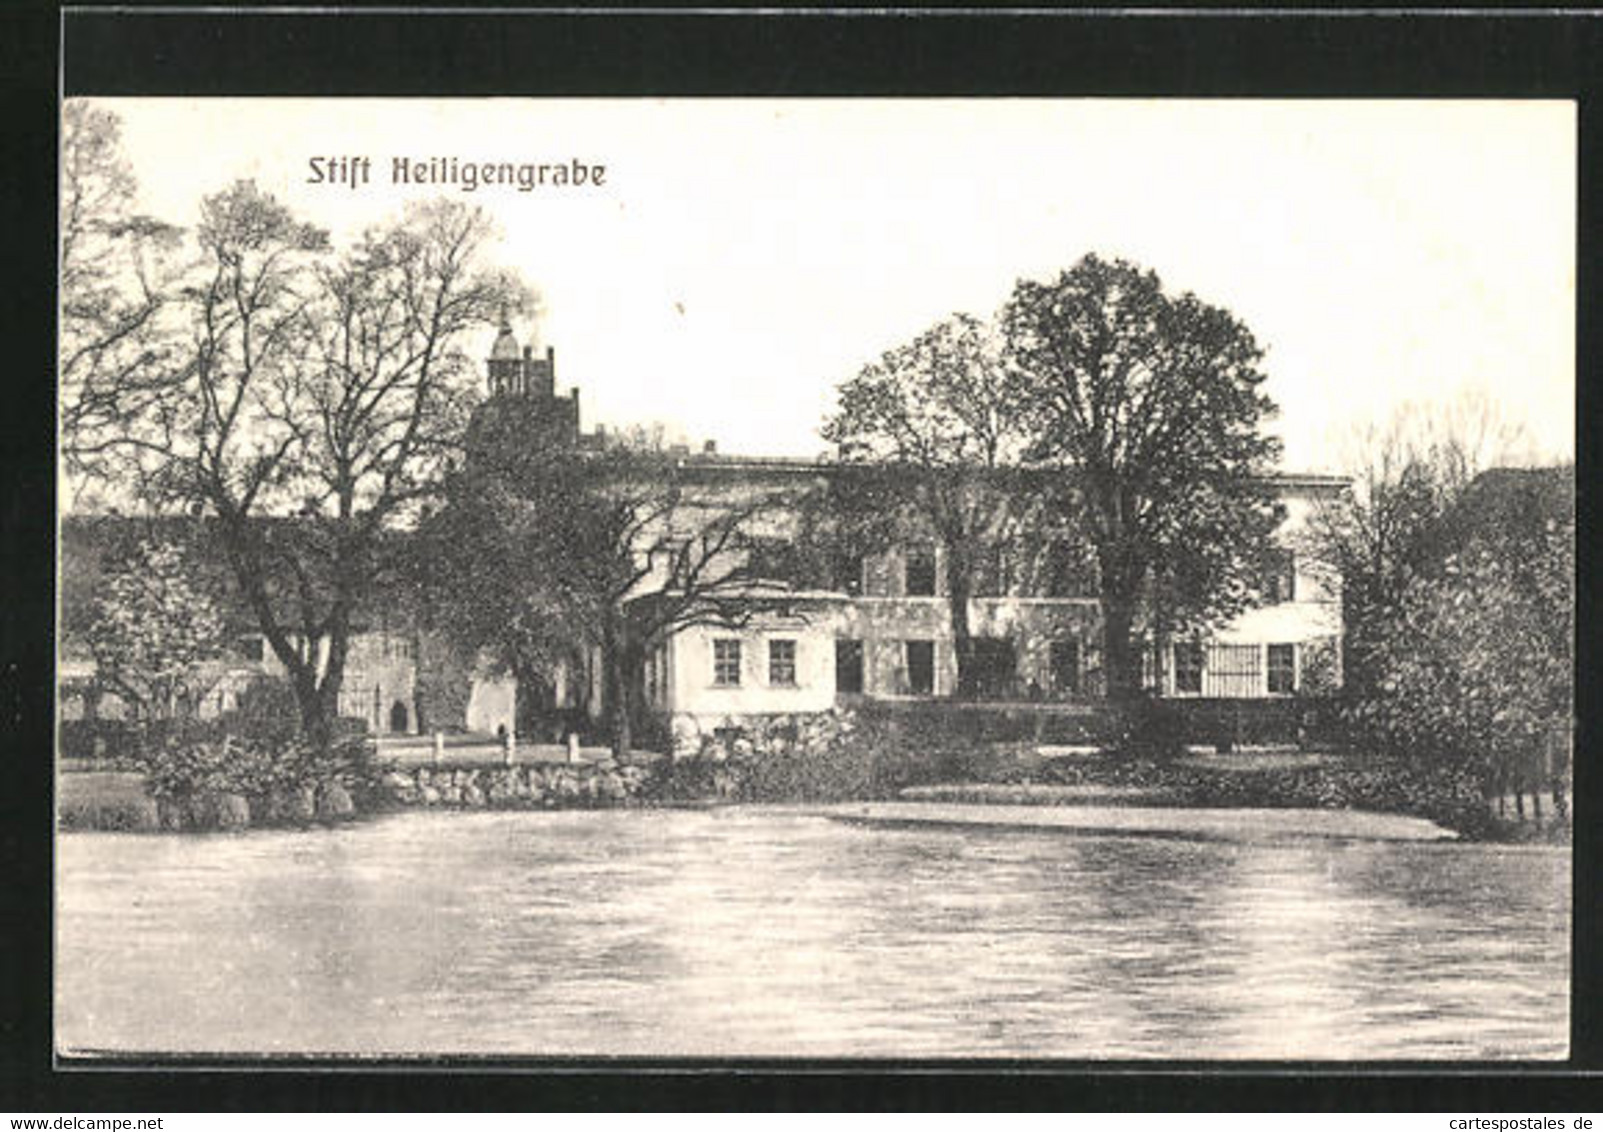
x=709, y=448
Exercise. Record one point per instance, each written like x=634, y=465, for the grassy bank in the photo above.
x=870, y=756
x=1146, y=821
x=1299, y=780
x=988, y=776
x=108, y=800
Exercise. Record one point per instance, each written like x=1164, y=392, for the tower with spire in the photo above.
x=523, y=407
x=518, y=373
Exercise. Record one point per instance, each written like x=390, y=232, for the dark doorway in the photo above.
x=849, y=666
x=995, y=667
x=398, y=716
x=921, y=667
x=1066, y=667
x=537, y=716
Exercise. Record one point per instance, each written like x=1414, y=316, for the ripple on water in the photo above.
x=770, y=934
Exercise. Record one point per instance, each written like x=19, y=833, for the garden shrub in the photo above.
x=116, y=740
x=1153, y=728
x=265, y=711
x=834, y=756
x=1472, y=669
x=202, y=763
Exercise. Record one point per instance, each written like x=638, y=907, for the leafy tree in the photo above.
x=1154, y=403
x=115, y=273
x=936, y=422
x=1476, y=671
x=1378, y=536
x=483, y=568
x=312, y=405
x=152, y=631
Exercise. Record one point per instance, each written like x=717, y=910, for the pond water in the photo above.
x=772, y=933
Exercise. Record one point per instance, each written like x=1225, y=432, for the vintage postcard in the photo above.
x=852, y=578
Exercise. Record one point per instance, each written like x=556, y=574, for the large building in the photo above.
x=874, y=625
x=878, y=624
x=880, y=627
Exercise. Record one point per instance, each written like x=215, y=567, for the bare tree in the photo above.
x=668, y=555
x=313, y=407
x=115, y=271
x=1461, y=437
x=562, y=551
x=1405, y=475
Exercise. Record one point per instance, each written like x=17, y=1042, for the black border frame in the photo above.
x=928, y=52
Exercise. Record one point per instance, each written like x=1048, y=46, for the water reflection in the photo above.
x=772, y=933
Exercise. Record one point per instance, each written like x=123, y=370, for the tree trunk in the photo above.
x=958, y=591
x=622, y=732
x=615, y=685
x=303, y=679
x=1121, y=661
x=245, y=559
x=339, y=643
x=420, y=713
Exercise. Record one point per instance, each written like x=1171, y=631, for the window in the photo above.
x=992, y=580
x=774, y=559
x=847, y=570
x=995, y=667
x=1069, y=570
x=1188, y=667
x=1234, y=670
x=251, y=648
x=782, y=663
x=726, y=663
x=920, y=571
x=1065, y=658
x=921, y=667
x=1280, y=582
x=849, y=666
x=1282, y=669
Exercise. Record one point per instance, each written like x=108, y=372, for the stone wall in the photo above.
x=554, y=786
x=127, y=806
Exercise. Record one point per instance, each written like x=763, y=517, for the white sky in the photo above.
x=745, y=256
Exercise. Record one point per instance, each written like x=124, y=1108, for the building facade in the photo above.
x=881, y=629
x=877, y=627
